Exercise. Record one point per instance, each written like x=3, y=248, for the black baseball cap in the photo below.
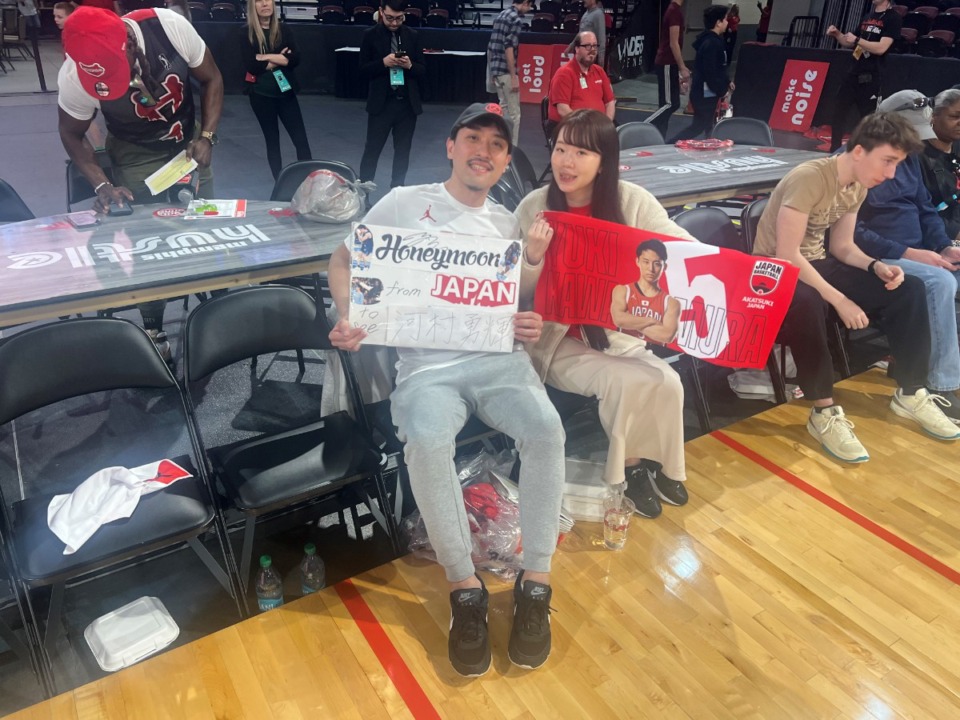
x=484, y=111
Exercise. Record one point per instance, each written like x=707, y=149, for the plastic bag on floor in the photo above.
x=494, y=531
x=491, y=501
x=757, y=385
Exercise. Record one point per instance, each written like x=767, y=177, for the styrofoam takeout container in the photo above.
x=129, y=634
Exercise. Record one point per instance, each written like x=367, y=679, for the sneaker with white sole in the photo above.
x=835, y=434
x=924, y=408
x=640, y=490
x=952, y=407
x=530, y=641
x=469, y=645
x=669, y=491
x=159, y=338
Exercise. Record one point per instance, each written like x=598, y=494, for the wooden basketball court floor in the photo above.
x=791, y=586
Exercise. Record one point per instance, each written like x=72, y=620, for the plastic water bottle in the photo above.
x=313, y=574
x=269, y=585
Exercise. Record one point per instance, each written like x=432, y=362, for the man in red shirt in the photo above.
x=581, y=83
x=669, y=65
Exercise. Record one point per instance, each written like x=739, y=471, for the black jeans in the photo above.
x=904, y=315
x=704, y=117
x=397, y=116
x=668, y=93
x=286, y=109
x=854, y=97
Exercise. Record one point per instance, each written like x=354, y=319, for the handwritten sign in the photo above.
x=410, y=288
x=717, y=304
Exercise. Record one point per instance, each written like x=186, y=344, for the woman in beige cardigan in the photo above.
x=640, y=395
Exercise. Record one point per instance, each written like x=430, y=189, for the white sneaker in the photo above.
x=835, y=433
x=159, y=338
x=924, y=409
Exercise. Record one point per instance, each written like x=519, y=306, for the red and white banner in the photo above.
x=731, y=305
x=537, y=64
x=799, y=95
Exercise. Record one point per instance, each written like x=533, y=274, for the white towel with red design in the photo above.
x=109, y=494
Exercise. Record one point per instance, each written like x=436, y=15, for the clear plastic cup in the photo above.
x=617, y=511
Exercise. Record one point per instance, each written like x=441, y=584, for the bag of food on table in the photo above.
x=326, y=196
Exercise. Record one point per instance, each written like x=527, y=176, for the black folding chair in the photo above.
x=744, y=131
x=290, y=456
x=78, y=187
x=110, y=400
x=638, y=134
x=293, y=175
x=12, y=207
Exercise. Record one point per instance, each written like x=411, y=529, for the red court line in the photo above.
x=866, y=523
x=413, y=695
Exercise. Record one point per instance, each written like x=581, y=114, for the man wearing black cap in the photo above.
x=136, y=71
x=437, y=390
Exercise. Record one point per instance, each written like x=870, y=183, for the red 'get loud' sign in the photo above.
x=535, y=72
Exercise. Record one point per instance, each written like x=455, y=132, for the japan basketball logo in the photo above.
x=765, y=277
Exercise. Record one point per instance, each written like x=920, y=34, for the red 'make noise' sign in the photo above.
x=731, y=305
x=799, y=95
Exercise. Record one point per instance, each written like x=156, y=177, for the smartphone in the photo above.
x=400, y=53
x=121, y=209
x=83, y=219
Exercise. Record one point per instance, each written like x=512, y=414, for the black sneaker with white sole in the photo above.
x=530, y=637
x=640, y=490
x=469, y=644
x=669, y=491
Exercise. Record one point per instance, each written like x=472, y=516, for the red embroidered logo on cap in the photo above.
x=96, y=69
x=494, y=108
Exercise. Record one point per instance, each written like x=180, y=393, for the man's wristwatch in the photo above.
x=210, y=136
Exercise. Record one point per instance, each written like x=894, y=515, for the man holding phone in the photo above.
x=391, y=61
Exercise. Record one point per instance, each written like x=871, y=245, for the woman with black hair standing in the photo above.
x=270, y=56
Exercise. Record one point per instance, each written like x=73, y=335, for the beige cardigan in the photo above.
x=641, y=210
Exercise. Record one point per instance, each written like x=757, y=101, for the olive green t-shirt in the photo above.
x=814, y=189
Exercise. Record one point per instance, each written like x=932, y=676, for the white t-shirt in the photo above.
x=75, y=101
x=431, y=206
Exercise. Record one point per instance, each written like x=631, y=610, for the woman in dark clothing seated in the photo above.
x=941, y=161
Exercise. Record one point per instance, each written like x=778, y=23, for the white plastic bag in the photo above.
x=757, y=385
x=326, y=196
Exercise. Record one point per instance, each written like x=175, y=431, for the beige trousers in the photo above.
x=641, y=403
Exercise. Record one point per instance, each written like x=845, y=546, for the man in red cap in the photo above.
x=136, y=71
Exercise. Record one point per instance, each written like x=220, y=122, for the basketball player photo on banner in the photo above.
x=720, y=305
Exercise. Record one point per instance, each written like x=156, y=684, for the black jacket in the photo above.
x=374, y=47
x=940, y=177
x=709, y=67
x=257, y=68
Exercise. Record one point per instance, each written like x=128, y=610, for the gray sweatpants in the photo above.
x=430, y=407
